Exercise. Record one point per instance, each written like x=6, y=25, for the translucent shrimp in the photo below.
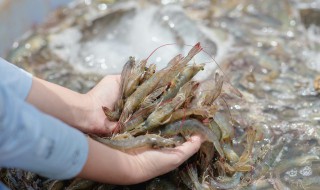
x=148, y=140
x=135, y=77
x=126, y=71
x=201, y=112
x=186, y=75
x=163, y=112
x=189, y=127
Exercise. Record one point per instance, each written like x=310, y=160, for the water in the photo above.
x=269, y=50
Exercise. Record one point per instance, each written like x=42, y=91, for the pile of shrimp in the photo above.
x=162, y=109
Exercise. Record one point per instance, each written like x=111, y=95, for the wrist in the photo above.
x=108, y=165
x=83, y=113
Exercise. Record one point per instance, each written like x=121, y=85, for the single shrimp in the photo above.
x=111, y=115
x=202, y=112
x=231, y=155
x=251, y=136
x=149, y=72
x=207, y=97
x=148, y=140
x=126, y=71
x=179, y=62
x=125, y=75
x=225, y=126
x=135, y=78
x=189, y=127
x=173, y=68
x=195, y=50
x=138, y=117
x=150, y=99
x=243, y=163
x=213, y=126
x=186, y=75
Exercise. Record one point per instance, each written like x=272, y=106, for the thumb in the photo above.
x=191, y=146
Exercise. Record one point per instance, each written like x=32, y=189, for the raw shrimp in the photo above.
x=151, y=98
x=138, y=118
x=163, y=112
x=189, y=127
x=178, y=63
x=135, y=77
x=202, y=112
x=186, y=75
x=148, y=140
x=127, y=68
x=207, y=97
x=134, y=100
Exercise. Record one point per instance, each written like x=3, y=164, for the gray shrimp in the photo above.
x=189, y=127
x=148, y=140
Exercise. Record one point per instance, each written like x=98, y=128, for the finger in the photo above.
x=110, y=127
x=191, y=146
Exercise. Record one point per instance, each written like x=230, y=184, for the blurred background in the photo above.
x=17, y=17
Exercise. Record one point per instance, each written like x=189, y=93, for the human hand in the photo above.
x=150, y=163
x=108, y=165
x=105, y=93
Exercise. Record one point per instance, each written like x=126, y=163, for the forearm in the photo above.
x=107, y=165
x=37, y=142
x=67, y=105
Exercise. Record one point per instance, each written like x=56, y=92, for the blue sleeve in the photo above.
x=15, y=78
x=34, y=141
x=3, y=187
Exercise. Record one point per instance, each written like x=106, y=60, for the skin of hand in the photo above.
x=82, y=111
x=105, y=93
x=112, y=166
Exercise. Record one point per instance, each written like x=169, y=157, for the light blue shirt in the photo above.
x=32, y=140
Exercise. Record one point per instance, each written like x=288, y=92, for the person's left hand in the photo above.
x=105, y=93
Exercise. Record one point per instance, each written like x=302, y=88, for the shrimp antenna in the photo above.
x=227, y=107
x=159, y=48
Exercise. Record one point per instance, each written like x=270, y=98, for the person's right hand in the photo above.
x=108, y=165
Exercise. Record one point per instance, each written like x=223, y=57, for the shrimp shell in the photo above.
x=189, y=127
x=163, y=112
x=148, y=140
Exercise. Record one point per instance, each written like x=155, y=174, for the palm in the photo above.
x=105, y=93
